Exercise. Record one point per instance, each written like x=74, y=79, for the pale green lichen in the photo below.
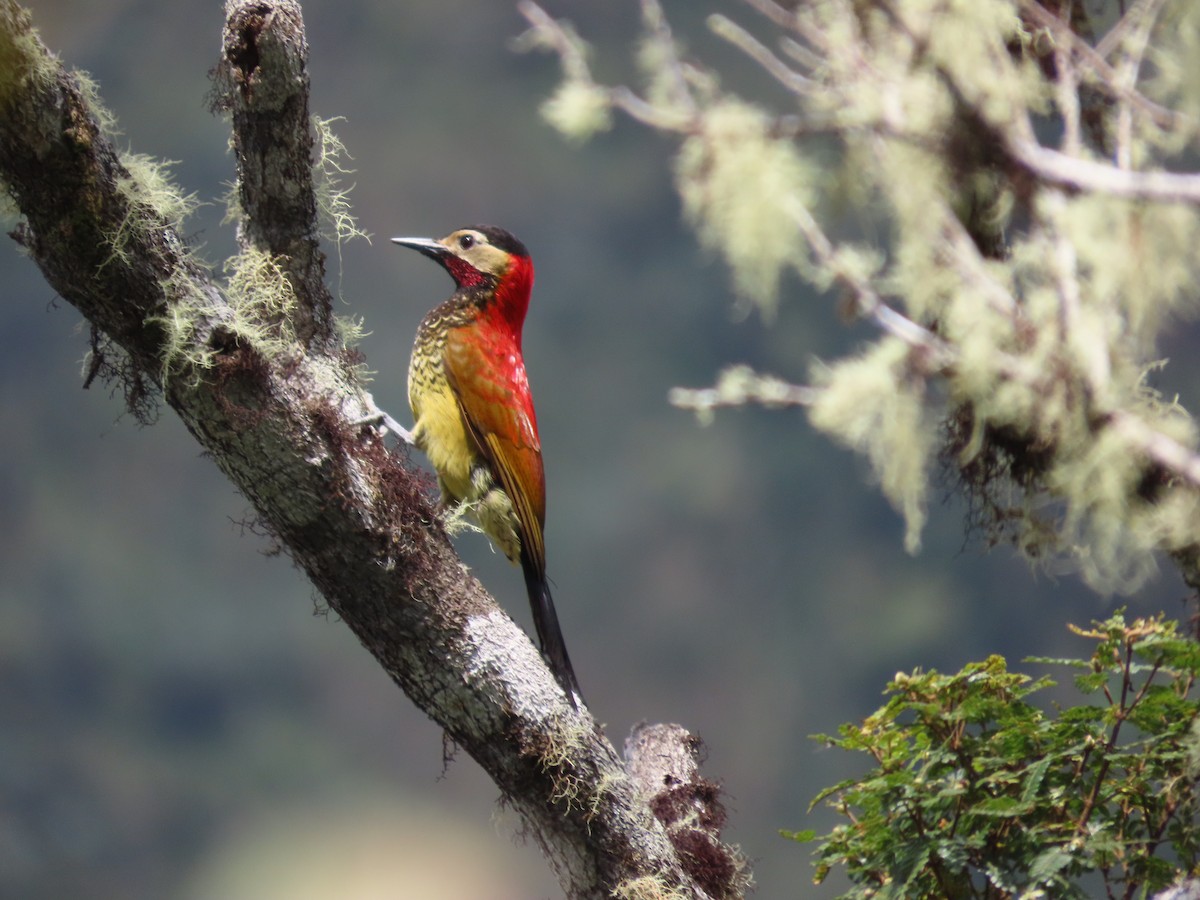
x=156, y=211
x=1137, y=258
x=231, y=202
x=10, y=212
x=914, y=186
x=669, y=86
x=850, y=263
x=459, y=518
x=263, y=302
x=740, y=184
x=1167, y=415
x=873, y=403
x=739, y=386
x=1100, y=482
x=333, y=194
x=604, y=788
x=1172, y=78
x=578, y=109
x=648, y=887
x=149, y=185
x=329, y=172
x=970, y=41
x=1036, y=307
x=23, y=58
x=562, y=747
x=258, y=314
x=89, y=90
x=185, y=309
x=350, y=330
x=154, y=203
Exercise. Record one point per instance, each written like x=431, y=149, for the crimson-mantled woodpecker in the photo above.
x=474, y=412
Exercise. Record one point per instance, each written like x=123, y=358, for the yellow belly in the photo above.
x=440, y=433
x=463, y=474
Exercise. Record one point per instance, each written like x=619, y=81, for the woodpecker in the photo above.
x=473, y=410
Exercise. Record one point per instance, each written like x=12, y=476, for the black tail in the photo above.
x=550, y=638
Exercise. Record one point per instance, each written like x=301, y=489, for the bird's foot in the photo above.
x=382, y=420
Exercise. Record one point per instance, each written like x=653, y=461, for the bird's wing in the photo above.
x=488, y=379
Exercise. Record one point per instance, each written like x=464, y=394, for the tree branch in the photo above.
x=729, y=30
x=738, y=386
x=1087, y=175
x=254, y=372
x=262, y=82
x=1103, y=74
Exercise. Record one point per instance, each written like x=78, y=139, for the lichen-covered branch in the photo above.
x=254, y=368
x=1084, y=174
x=262, y=82
x=739, y=386
x=1028, y=281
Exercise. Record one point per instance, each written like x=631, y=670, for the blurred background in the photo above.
x=174, y=720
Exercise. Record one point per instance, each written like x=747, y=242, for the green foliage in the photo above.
x=977, y=792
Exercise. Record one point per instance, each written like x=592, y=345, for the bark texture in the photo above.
x=262, y=381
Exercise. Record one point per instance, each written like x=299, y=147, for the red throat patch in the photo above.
x=464, y=274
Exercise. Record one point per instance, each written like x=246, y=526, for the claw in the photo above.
x=387, y=423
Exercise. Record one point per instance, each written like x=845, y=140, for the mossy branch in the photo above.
x=262, y=82
x=256, y=370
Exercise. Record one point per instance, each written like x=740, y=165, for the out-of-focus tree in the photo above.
x=996, y=186
x=1000, y=188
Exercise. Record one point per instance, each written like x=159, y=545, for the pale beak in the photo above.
x=429, y=247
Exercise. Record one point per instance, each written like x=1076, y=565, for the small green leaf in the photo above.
x=801, y=837
x=1002, y=806
x=1048, y=864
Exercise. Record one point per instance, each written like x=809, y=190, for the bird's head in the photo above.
x=480, y=256
x=489, y=266
x=491, y=269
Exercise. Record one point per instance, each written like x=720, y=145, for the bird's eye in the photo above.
x=466, y=241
